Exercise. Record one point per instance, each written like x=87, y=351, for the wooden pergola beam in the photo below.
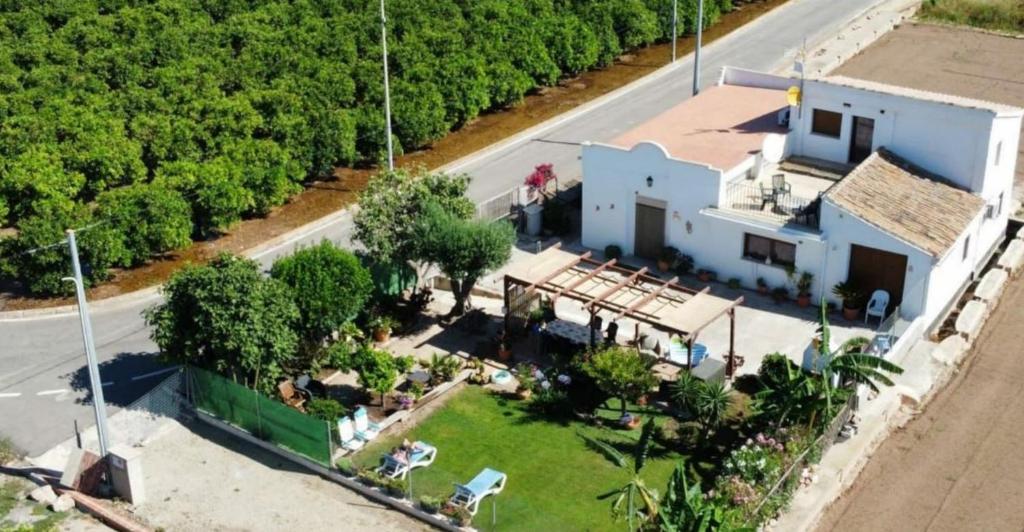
x=573, y=285
x=645, y=278
x=533, y=287
x=646, y=299
x=615, y=288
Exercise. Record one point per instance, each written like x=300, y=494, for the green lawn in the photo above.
x=553, y=478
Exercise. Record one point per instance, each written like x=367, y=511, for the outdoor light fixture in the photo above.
x=650, y=181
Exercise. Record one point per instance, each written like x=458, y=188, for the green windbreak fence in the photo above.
x=265, y=418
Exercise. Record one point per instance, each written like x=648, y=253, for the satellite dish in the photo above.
x=793, y=96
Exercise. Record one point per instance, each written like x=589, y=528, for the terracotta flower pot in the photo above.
x=803, y=300
x=504, y=353
x=851, y=313
x=381, y=335
x=663, y=266
x=525, y=394
x=704, y=277
x=763, y=290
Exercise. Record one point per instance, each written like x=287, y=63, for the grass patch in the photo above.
x=12, y=495
x=554, y=479
x=999, y=15
x=8, y=453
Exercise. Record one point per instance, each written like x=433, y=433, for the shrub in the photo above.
x=326, y=409
x=443, y=368
x=550, y=402
x=416, y=390
x=735, y=283
x=612, y=251
x=431, y=504
x=346, y=467
x=371, y=478
x=684, y=264
x=8, y=453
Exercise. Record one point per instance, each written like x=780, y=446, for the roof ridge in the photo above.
x=921, y=94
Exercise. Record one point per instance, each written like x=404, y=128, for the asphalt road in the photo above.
x=42, y=380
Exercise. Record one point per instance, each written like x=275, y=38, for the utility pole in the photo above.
x=675, y=34
x=98, y=404
x=696, y=51
x=387, y=90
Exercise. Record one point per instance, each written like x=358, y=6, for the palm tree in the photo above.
x=849, y=362
x=635, y=500
x=712, y=403
x=793, y=392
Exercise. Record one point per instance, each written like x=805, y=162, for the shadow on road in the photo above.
x=126, y=375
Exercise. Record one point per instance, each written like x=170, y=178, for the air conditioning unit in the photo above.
x=783, y=118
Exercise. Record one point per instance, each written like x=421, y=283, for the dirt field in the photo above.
x=200, y=479
x=957, y=466
x=957, y=61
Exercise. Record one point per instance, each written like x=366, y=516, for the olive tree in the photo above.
x=620, y=373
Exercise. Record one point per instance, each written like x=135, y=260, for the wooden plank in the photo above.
x=533, y=287
x=646, y=299
x=615, y=288
x=571, y=286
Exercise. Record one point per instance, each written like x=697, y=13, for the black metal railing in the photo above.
x=779, y=205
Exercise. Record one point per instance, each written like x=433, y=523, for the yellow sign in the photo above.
x=793, y=95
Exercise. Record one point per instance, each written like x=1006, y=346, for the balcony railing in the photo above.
x=762, y=200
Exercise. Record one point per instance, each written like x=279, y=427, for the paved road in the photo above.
x=957, y=466
x=45, y=355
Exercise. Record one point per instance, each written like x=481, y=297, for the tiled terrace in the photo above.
x=805, y=182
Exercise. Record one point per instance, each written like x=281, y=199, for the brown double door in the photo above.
x=650, y=231
x=873, y=269
x=861, y=138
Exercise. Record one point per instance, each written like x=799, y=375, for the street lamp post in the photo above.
x=99, y=406
x=675, y=33
x=387, y=90
x=696, y=51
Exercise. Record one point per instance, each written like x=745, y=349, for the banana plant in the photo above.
x=634, y=500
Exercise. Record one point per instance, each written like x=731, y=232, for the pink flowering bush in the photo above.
x=541, y=175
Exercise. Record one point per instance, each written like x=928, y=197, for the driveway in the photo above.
x=957, y=466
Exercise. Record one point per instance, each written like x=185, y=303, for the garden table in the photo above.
x=572, y=331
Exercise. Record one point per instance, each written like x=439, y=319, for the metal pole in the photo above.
x=410, y=483
x=675, y=34
x=696, y=51
x=387, y=89
x=99, y=406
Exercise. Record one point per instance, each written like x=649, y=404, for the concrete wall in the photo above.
x=841, y=230
x=948, y=140
x=614, y=178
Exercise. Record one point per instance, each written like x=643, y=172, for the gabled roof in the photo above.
x=907, y=202
x=721, y=127
x=937, y=97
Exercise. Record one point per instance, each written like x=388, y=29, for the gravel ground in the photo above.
x=197, y=478
x=958, y=465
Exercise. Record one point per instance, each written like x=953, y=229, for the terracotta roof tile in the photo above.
x=907, y=202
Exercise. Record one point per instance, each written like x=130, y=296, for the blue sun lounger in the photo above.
x=487, y=482
x=422, y=455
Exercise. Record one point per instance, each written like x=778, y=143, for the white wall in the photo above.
x=613, y=179
x=841, y=230
x=947, y=140
x=953, y=270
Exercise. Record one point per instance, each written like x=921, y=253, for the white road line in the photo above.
x=154, y=373
x=110, y=383
x=13, y=394
x=52, y=392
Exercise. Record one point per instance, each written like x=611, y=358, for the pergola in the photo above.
x=664, y=304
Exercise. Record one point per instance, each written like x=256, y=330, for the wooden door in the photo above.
x=861, y=139
x=873, y=269
x=650, y=231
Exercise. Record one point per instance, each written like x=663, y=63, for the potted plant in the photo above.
x=684, y=264
x=735, y=283
x=705, y=275
x=611, y=251
x=762, y=286
x=504, y=353
x=382, y=325
x=668, y=257
x=395, y=487
x=460, y=515
x=852, y=298
x=346, y=467
x=780, y=294
x=803, y=289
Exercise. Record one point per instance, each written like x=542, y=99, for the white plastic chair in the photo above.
x=877, y=306
x=365, y=429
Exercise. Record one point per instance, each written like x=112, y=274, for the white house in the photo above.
x=887, y=187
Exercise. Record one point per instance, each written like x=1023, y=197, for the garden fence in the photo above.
x=262, y=417
x=822, y=443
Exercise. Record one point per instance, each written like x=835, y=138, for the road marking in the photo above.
x=52, y=392
x=15, y=394
x=110, y=383
x=154, y=373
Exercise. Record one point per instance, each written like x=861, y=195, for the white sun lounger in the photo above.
x=487, y=482
x=347, y=434
x=365, y=429
x=422, y=455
